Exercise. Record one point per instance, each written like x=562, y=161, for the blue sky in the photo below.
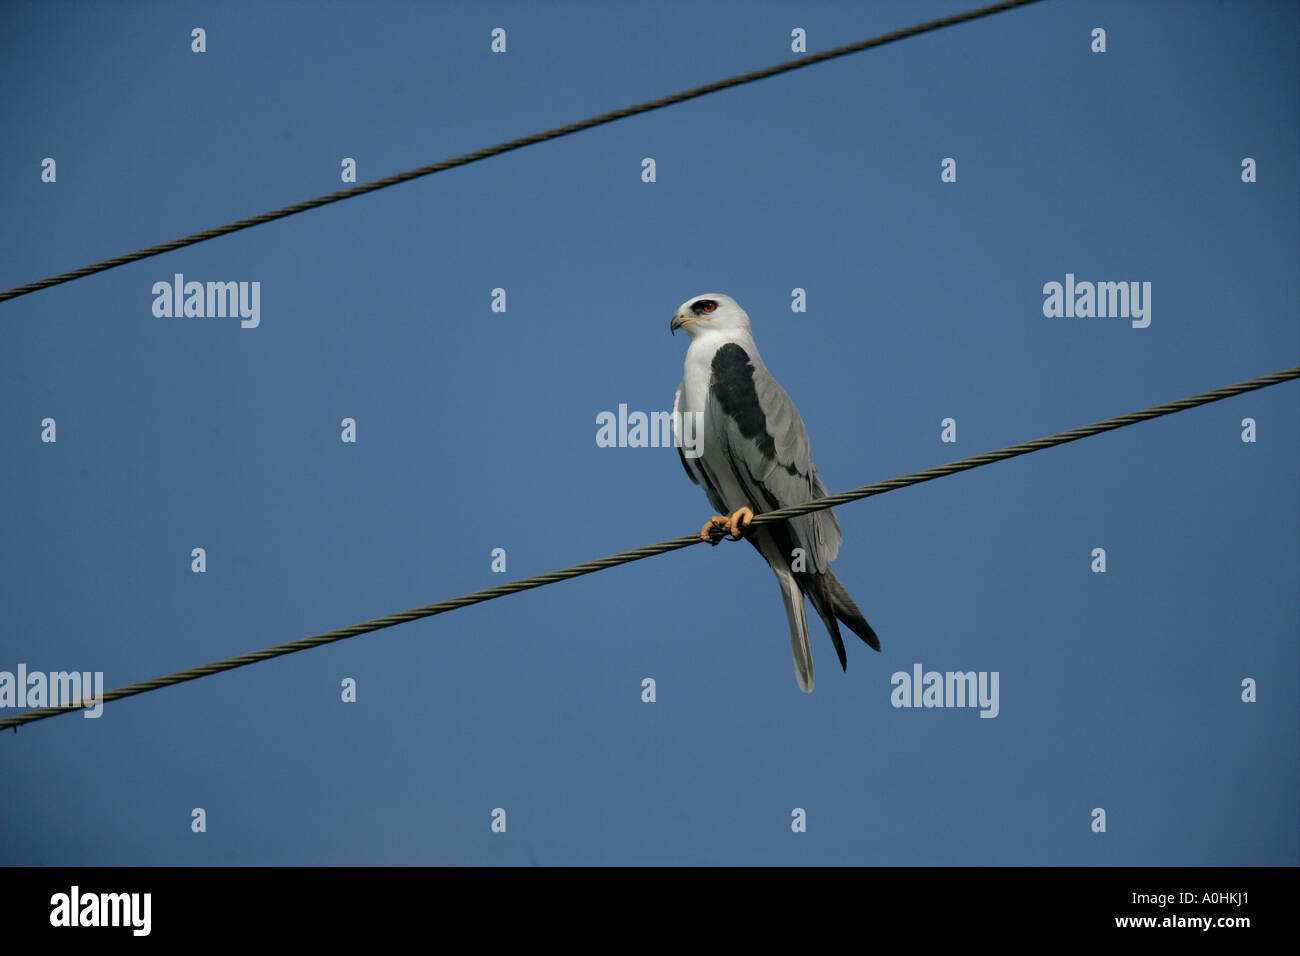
x=476, y=430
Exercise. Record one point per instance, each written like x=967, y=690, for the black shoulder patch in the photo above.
x=733, y=386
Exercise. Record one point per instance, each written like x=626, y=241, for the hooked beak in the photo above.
x=678, y=321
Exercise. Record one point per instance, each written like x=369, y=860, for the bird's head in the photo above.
x=713, y=310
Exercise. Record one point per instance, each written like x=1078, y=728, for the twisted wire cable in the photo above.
x=672, y=544
x=480, y=154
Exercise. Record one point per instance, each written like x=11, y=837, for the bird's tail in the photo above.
x=831, y=599
x=797, y=615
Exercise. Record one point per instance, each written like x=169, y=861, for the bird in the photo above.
x=753, y=456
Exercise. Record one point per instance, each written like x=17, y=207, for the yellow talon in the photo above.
x=715, y=521
x=740, y=519
x=735, y=523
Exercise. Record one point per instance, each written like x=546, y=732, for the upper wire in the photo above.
x=513, y=144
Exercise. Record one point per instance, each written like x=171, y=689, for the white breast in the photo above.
x=697, y=373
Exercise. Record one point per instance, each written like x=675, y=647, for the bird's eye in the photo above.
x=707, y=306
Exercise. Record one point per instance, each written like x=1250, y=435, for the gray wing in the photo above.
x=767, y=444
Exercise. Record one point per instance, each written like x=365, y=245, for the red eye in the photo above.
x=708, y=306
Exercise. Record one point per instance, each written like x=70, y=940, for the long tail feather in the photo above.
x=797, y=616
x=847, y=611
x=821, y=600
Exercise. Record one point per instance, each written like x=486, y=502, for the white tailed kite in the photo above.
x=756, y=458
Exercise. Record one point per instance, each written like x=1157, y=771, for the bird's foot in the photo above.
x=739, y=520
x=734, y=525
x=713, y=526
